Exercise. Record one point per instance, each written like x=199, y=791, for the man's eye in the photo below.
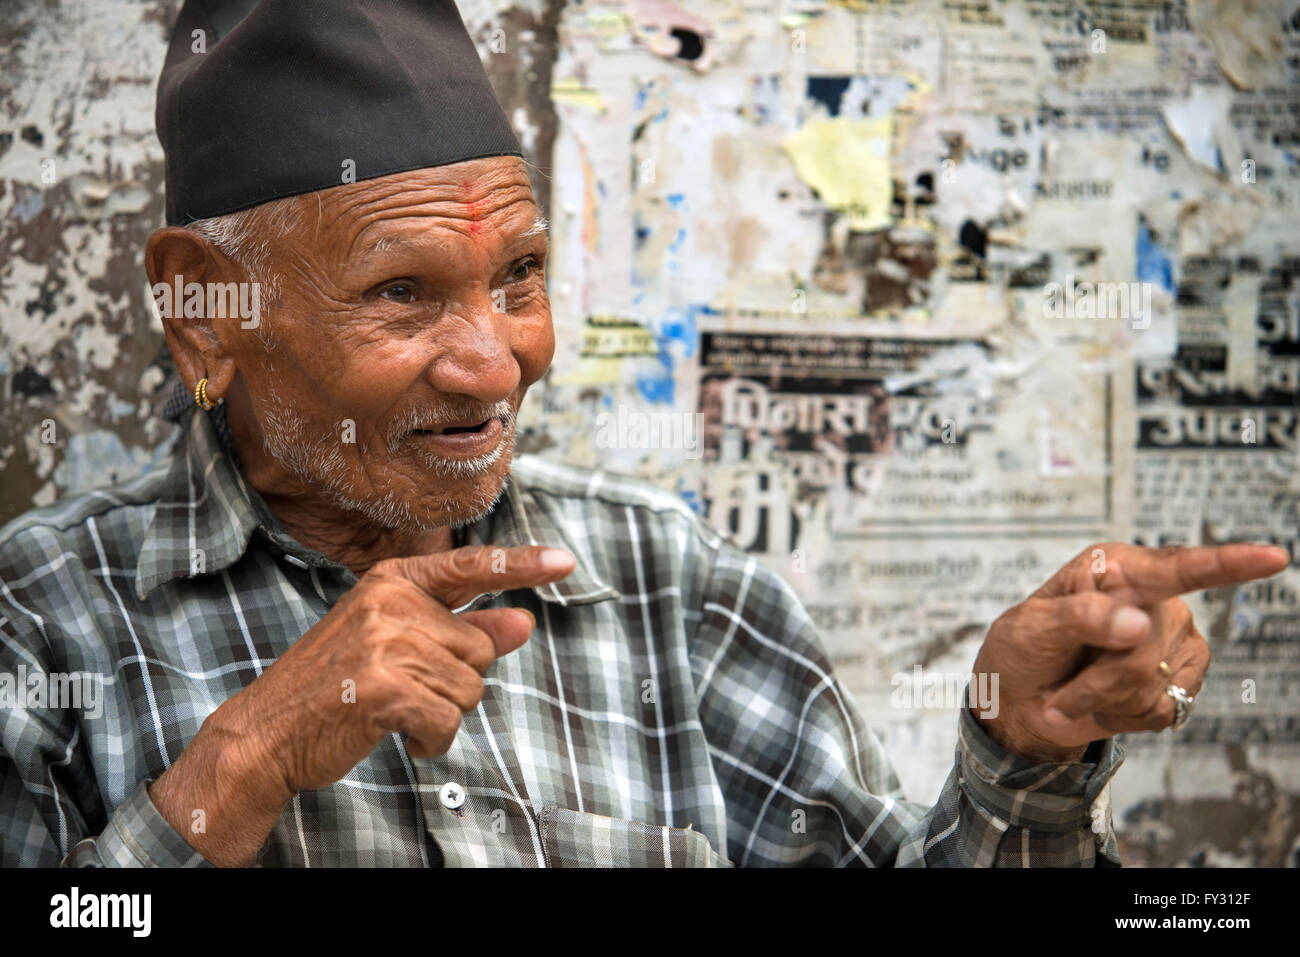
x=523, y=269
x=398, y=292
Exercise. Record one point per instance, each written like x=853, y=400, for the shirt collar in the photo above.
x=520, y=518
x=206, y=515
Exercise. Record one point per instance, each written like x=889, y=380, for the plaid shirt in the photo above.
x=674, y=707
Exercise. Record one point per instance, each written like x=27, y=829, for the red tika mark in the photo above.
x=475, y=209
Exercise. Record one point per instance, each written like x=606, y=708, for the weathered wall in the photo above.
x=857, y=238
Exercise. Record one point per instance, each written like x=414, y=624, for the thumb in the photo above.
x=509, y=628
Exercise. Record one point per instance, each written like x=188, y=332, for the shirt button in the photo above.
x=452, y=795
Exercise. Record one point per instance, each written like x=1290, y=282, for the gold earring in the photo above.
x=201, y=396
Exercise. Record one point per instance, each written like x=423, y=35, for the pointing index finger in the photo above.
x=1149, y=575
x=457, y=576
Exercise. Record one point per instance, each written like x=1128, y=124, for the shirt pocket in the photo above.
x=579, y=839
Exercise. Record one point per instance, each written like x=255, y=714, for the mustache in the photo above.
x=440, y=413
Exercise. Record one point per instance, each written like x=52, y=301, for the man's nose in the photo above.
x=475, y=356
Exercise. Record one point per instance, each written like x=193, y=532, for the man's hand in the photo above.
x=1079, y=660
x=390, y=656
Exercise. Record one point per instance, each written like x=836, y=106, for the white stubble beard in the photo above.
x=322, y=465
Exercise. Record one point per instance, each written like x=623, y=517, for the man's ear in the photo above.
x=195, y=347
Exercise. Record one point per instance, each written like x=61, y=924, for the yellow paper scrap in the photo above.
x=846, y=160
x=570, y=90
x=605, y=342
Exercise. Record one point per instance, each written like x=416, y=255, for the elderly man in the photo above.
x=347, y=626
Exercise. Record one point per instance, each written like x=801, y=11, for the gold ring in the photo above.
x=1164, y=669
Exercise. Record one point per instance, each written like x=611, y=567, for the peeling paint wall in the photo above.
x=80, y=191
x=950, y=289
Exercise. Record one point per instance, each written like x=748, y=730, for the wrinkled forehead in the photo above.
x=489, y=200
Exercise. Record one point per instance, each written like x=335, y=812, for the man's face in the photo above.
x=412, y=321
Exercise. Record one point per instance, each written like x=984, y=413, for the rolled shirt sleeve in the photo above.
x=137, y=835
x=806, y=782
x=51, y=810
x=43, y=823
x=998, y=809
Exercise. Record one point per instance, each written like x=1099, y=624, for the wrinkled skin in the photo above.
x=402, y=293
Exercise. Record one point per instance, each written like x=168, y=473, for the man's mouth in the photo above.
x=455, y=429
x=461, y=439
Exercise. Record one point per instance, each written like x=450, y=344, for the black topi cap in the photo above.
x=285, y=92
